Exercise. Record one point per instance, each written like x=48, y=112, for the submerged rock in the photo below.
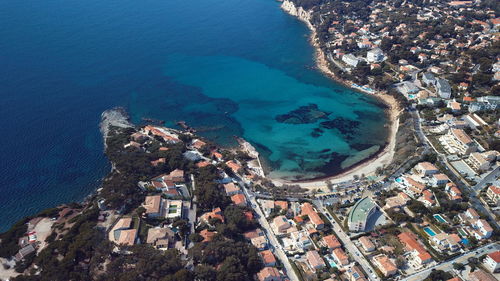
x=303, y=115
x=345, y=126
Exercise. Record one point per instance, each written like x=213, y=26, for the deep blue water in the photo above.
x=227, y=67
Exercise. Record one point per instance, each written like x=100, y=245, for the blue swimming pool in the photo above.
x=429, y=231
x=439, y=218
x=399, y=180
x=465, y=241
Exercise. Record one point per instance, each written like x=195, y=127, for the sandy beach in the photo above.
x=369, y=166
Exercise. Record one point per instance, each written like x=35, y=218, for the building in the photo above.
x=267, y=206
x=492, y=261
x=153, y=205
x=24, y=251
x=480, y=275
x=281, y=224
x=367, y=244
x=239, y=199
x=413, y=245
x=314, y=260
x=385, y=265
x=127, y=237
x=355, y=274
x=160, y=238
x=360, y=213
x=493, y=192
x=478, y=162
x=397, y=201
x=214, y=214
x=260, y=242
x=301, y=240
x=173, y=209
x=375, y=55
x=446, y=242
x=453, y=192
x=471, y=214
x=231, y=189
x=439, y=179
x=459, y=142
x=207, y=235
x=350, y=60
x=331, y=242
x=443, y=88
x=474, y=121
x=426, y=169
x=483, y=229
x=283, y=205
x=428, y=198
x=340, y=257
x=428, y=78
x=307, y=209
x=269, y=274
x=407, y=88
x=268, y=258
x=121, y=233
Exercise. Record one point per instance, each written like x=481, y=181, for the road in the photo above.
x=278, y=251
x=348, y=244
x=448, y=266
x=492, y=176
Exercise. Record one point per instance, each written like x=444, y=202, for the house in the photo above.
x=153, y=205
x=480, y=275
x=198, y=144
x=397, y=201
x=472, y=214
x=428, y=78
x=281, y=223
x=239, y=200
x=428, y=198
x=173, y=209
x=331, y=242
x=493, y=192
x=340, y=257
x=121, y=232
x=269, y=274
x=474, y=121
x=426, y=169
x=127, y=237
x=253, y=233
x=445, y=241
x=283, y=205
x=453, y=192
x=301, y=240
x=483, y=229
x=443, y=88
x=350, y=60
x=439, y=179
x=233, y=166
x=454, y=106
x=307, y=209
x=413, y=245
x=24, y=251
x=214, y=214
x=414, y=188
x=407, y=88
x=314, y=260
x=267, y=206
x=268, y=258
x=366, y=243
x=355, y=274
x=375, y=55
x=207, y=235
x=492, y=261
x=231, y=189
x=160, y=238
x=260, y=242
x=385, y=265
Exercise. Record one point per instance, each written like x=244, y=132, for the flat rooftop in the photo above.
x=361, y=209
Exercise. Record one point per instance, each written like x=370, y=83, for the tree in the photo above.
x=458, y=266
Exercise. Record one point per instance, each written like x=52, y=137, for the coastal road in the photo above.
x=278, y=251
x=348, y=244
x=448, y=266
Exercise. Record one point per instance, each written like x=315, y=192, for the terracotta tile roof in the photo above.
x=410, y=240
x=207, y=235
x=308, y=210
x=267, y=257
x=282, y=204
x=152, y=204
x=331, y=241
x=494, y=189
x=495, y=256
x=238, y=199
x=268, y=273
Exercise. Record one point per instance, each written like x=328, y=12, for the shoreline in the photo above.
x=369, y=165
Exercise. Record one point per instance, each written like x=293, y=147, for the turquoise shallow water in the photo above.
x=226, y=67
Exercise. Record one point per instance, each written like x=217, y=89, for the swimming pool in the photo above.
x=439, y=218
x=330, y=261
x=429, y=231
x=411, y=96
x=399, y=180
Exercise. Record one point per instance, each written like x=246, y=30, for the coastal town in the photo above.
x=177, y=206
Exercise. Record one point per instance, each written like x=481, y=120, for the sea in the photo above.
x=228, y=68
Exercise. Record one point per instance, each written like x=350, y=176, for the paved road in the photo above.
x=492, y=176
x=448, y=266
x=278, y=251
x=348, y=244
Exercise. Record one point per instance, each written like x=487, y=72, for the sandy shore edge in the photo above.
x=369, y=166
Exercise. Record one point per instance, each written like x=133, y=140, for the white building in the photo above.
x=492, y=261
x=351, y=60
x=375, y=55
